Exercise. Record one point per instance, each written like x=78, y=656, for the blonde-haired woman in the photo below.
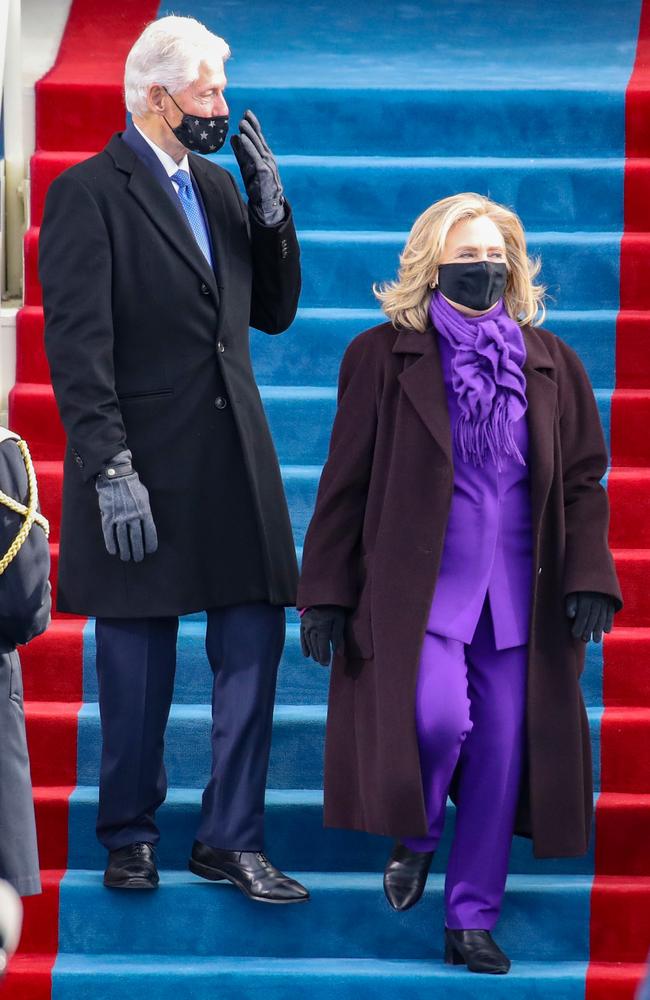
x=458, y=549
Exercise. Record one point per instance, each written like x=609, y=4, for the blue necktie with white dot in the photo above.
x=193, y=211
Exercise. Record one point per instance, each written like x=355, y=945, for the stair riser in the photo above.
x=310, y=352
x=371, y=193
x=192, y=983
x=295, y=839
x=579, y=274
x=296, y=755
x=529, y=122
x=301, y=428
x=300, y=680
x=345, y=918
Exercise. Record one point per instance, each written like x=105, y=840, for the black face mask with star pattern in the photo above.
x=199, y=134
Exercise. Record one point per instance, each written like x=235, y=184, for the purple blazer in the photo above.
x=488, y=542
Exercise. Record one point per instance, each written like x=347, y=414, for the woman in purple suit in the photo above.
x=457, y=564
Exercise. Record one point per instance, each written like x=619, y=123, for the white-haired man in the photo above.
x=152, y=269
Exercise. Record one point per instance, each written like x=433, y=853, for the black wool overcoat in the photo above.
x=148, y=348
x=374, y=546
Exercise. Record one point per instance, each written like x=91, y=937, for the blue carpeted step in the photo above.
x=581, y=270
x=301, y=417
x=295, y=837
x=439, y=121
x=296, y=754
x=300, y=681
x=376, y=192
x=544, y=918
x=310, y=352
x=118, y=977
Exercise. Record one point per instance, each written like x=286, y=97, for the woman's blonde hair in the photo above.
x=406, y=301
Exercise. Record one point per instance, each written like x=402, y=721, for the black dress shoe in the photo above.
x=405, y=876
x=476, y=950
x=250, y=871
x=132, y=867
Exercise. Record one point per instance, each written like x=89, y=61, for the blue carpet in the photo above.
x=375, y=111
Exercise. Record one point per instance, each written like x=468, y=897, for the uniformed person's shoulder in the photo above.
x=13, y=475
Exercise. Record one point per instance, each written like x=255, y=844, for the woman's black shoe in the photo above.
x=132, y=867
x=405, y=876
x=476, y=950
x=250, y=871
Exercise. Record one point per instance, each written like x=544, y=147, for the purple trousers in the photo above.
x=470, y=715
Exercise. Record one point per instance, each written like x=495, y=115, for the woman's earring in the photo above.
x=432, y=284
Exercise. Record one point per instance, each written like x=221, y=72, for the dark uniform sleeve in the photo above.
x=276, y=270
x=588, y=561
x=25, y=601
x=330, y=555
x=75, y=271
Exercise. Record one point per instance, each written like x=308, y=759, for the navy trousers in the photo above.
x=136, y=663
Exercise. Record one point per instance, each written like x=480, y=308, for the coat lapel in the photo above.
x=423, y=383
x=155, y=200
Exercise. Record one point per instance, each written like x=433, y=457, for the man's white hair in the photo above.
x=169, y=52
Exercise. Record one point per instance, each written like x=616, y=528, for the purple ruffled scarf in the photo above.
x=487, y=378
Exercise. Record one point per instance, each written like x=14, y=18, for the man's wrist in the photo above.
x=119, y=465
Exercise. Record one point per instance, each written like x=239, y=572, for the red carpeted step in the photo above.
x=49, y=476
x=625, y=938
x=44, y=167
x=52, y=663
x=32, y=291
x=626, y=674
x=625, y=751
x=630, y=420
x=33, y=415
x=97, y=39
x=635, y=287
x=637, y=194
x=51, y=805
x=29, y=978
x=633, y=349
x=52, y=740
x=31, y=362
x=633, y=566
x=623, y=834
x=629, y=495
x=614, y=980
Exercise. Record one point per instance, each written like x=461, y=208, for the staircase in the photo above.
x=374, y=114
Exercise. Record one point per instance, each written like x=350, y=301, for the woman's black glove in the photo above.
x=593, y=613
x=319, y=627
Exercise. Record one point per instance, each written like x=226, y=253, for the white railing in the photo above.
x=13, y=175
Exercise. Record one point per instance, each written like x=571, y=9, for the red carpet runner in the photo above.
x=81, y=97
x=620, y=901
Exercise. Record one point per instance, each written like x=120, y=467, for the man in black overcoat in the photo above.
x=152, y=268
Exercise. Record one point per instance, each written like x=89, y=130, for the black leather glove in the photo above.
x=320, y=627
x=592, y=613
x=127, y=521
x=259, y=171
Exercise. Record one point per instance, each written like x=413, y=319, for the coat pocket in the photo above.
x=149, y=394
x=358, y=629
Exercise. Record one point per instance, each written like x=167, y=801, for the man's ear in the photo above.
x=156, y=99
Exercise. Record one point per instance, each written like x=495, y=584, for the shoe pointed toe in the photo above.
x=405, y=876
x=477, y=950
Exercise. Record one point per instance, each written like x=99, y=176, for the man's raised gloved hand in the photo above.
x=259, y=171
x=592, y=613
x=127, y=521
x=320, y=627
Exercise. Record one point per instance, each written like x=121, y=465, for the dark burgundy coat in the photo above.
x=374, y=545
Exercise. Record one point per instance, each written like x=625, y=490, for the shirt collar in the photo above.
x=168, y=162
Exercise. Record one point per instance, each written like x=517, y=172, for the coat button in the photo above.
x=221, y=403
x=539, y=570
x=221, y=346
x=204, y=289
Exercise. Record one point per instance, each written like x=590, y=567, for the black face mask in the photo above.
x=200, y=134
x=477, y=285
